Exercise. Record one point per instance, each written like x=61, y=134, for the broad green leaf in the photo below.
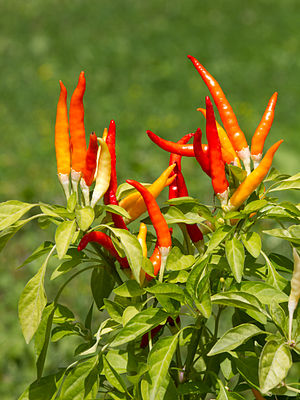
x=291, y=183
x=278, y=315
x=11, y=211
x=274, y=278
x=290, y=207
x=114, y=310
x=132, y=249
x=265, y=293
x=62, y=314
x=254, y=206
x=33, y=301
x=234, y=338
x=274, y=364
x=235, y=255
x=102, y=283
x=252, y=242
x=117, y=210
x=42, y=336
x=45, y=388
x=282, y=263
x=72, y=201
x=112, y=376
x=198, y=288
x=275, y=175
x=63, y=237
x=9, y=232
x=121, y=360
x=239, y=173
x=74, y=385
x=129, y=288
x=159, y=360
x=242, y=300
x=129, y=313
x=44, y=248
x=178, y=276
x=56, y=211
x=84, y=217
x=248, y=367
x=292, y=234
x=148, y=266
x=175, y=216
x=168, y=289
x=63, y=330
x=139, y=324
x=217, y=237
x=177, y=261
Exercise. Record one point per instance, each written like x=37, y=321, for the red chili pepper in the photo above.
x=227, y=115
x=88, y=172
x=176, y=148
x=259, y=137
x=77, y=131
x=217, y=167
x=200, y=154
x=110, y=195
x=157, y=219
x=145, y=337
x=105, y=241
x=176, y=158
x=156, y=261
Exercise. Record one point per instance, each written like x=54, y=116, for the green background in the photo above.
x=134, y=56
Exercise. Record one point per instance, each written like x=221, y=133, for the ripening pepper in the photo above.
x=89, y=169
x=103, y=173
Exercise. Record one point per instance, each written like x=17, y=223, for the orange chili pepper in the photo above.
x=259, y=137
x=89, y=169
x=226, y=144
x=156, y=261
x=253, y=180
x=227, y=115
x=62, y=140
x=77, y=131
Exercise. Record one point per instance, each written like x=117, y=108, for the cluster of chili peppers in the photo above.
x=97, y=163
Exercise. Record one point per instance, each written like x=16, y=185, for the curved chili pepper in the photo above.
x=117, y=219
x=105, y=241
x=103, y=173
x=295, y=290
x=171, y=147
x=77, y=131
x=201, y=156
x=217, y=167
x=134, y=203
x=227, y=115
x=259, y=137
x=142, y=238
x=226, y=144
x=176, y=158
x=253, y=180
x=62, y=140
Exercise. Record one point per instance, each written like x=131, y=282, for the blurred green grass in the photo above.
x=134, y=55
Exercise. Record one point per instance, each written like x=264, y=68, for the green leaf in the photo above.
x=129, y=288
x=274, y=364
x=254, y=206
x=121, y=360
x=113, y=377
x=239, y=173
x=139, y=324
x=9, y=232
x=114, y=310
x=252, y=242
x=63, y=237
x=44, y=248
x=72, y=201
x=32, y=302
x=42, y=336
x=84, y=217
x=248, y=366
x=291, y=183
x=174, y=215
x=278, y=315
x=11, y=211
x=159, y=360
x=238, y=299
x=102, y=283
x=63, y=330
x=62, y=314
x=292, y=234
x=235, y=255
x=75, y=384
x=217, y=237
x=234, y=338
x=168, y=289
x=198, y=287
x=177, y=261
x=45, y=388
x=274, y=278
x=265, y=293
x=117, y=210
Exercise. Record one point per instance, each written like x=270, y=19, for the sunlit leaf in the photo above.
x=63, y=237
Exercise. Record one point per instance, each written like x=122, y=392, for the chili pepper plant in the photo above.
x=190, y=304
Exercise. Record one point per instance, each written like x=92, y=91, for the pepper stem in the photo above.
x=85, y=191
x=164, y=252
x=75, y=178
x=65, y=183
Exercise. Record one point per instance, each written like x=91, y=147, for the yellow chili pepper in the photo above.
x=62, y=140
x=134, y=203
x=253, y=180
x=225, y=141
x=103, y=173
x=142, y=238
x=295, y=290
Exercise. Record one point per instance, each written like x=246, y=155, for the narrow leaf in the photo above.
x=252, y=242
x=11, y=211
x=235, y=255
x=217, y=237
x=63, y=237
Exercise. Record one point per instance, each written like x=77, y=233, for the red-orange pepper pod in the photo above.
x=110, y=195
x=105, y=241
x=176, y=158
x=217, y=166
x=172, y=147
x=89, y=169
x=253, y=180
x=200, y=155
x=77, y=131
x=159, y=223
x=259, y=137
x=227, y=115
x=62, y=140
x=193, y=230
x=156, y=261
